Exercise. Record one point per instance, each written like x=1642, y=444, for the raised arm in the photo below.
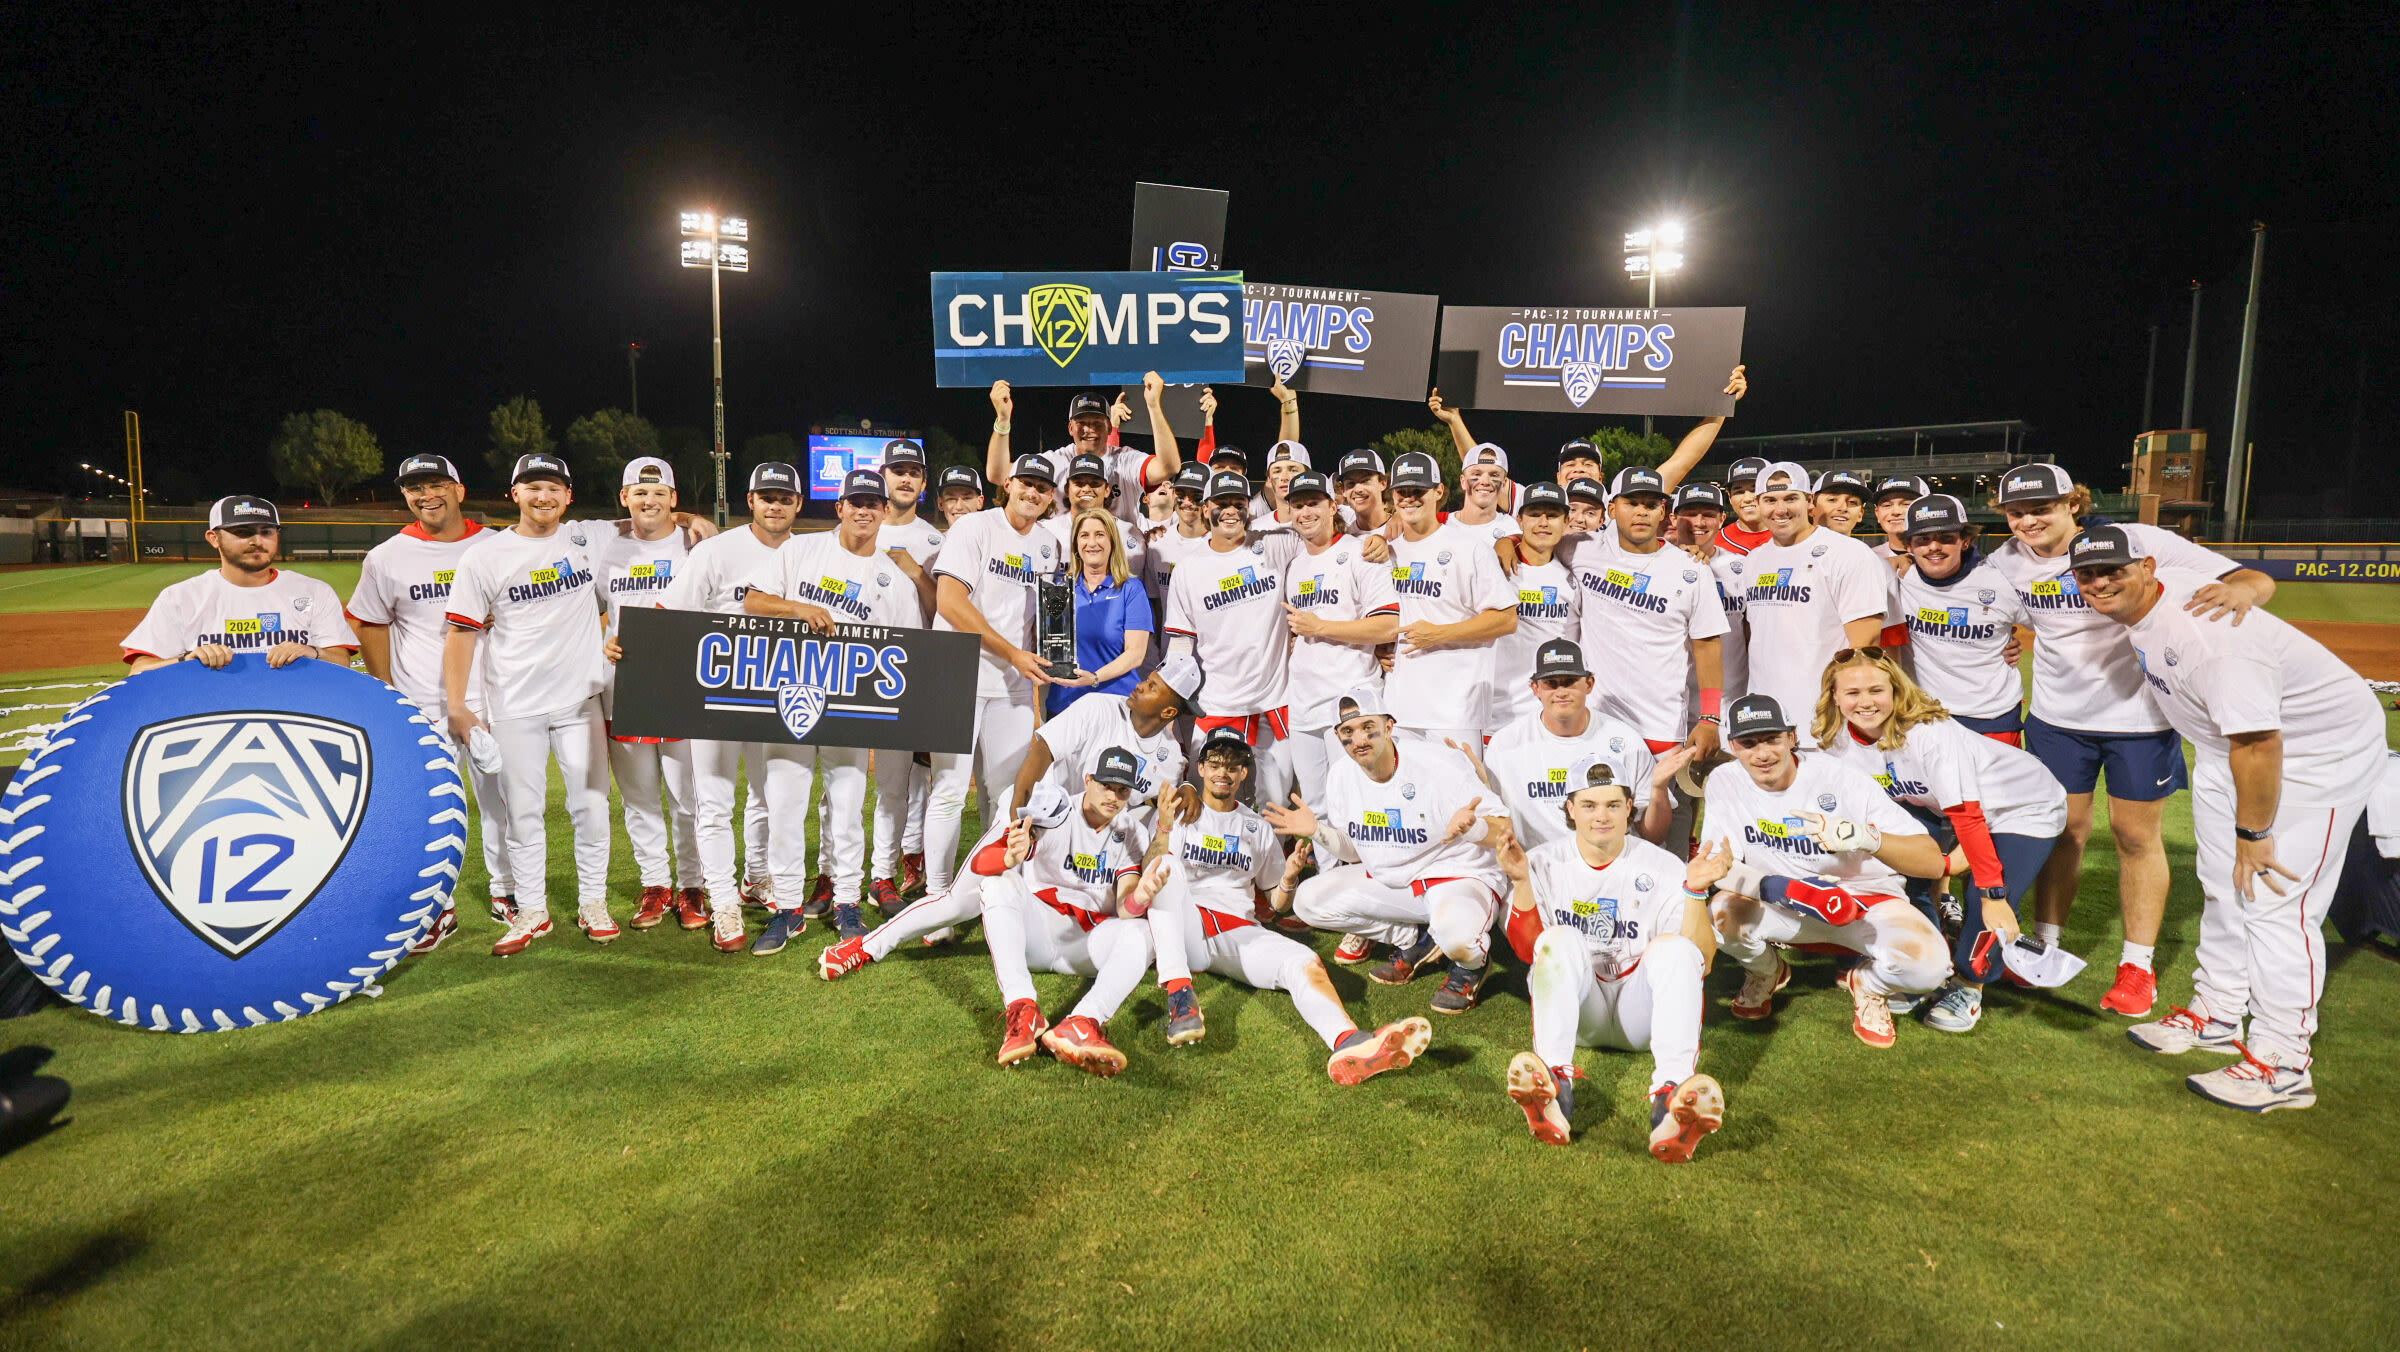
x=1287, y=427
x=1165, y=456
x=1457, y=422
x=996, y=458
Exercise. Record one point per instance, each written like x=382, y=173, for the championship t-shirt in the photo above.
x=1491, y=532
x=2084, y=674
x=1448, y=577
x=997, y=564
x=1732, y=583
x=1532, y=765
x=1337, y=584
x=1228, y=858
x=1126, y=468
x=1093, y=724
x=1547, y=608
x=1618, y=909
x=1230, y=604
x=718, y=571
x=1166, y=549
x=1083, y=862
x=537, y=601
x=855, y=588
x=920, y=538
x=1943, y=764
x=1765, y=828
x=288, y=607
x=1395, y=826
x=1956, y=630
x=1800, y=596
x=1641, y=613
x=404, y=584
x=633, y=572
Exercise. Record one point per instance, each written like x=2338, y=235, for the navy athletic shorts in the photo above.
x=2143, y=767
x=2008, y=727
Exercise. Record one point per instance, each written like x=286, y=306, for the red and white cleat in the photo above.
x=504, y=909
x=1080, y=1043
x=1680, y=1114
x=692, y=908
x=1353, y=950
x=595, y=922
x=655, y=903
x=527, y=927
x=1756, y=998
x=1022, y=1029
x=1870, y=1012
x=836, y=961
x=1363, y=1055
x=757, y=893
x=1546, y=1095
x=443, y=926
x=2135, y=992
x=912, y=874
x=725, y=929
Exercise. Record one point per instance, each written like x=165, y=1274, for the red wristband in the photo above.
x=1710, y=700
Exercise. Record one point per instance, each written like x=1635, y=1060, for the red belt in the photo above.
x=609, y=726
x=1087, y=921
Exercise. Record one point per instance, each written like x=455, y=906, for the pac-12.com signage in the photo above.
x=1573, y=359
x=1334, y=340
x=1086, y=328
x=755, y=678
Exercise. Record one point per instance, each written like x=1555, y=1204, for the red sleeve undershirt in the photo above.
x=1523, y=928
x=989, y=860
x=1975, y=837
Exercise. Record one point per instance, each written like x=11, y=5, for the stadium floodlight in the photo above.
x=721, y=244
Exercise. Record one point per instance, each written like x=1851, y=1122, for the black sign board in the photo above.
x=1336, y=340
x=1577, y=359
x=755, y=678
x=1175, y=230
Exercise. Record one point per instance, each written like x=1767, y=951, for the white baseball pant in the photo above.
x=713, y=768
x=641, y=770
x=920, y=779
x=1026, y=934
x=573, y=735
x=1003, y=734
x=842, y=849
x=1905, y=953
x=1655, y=1007
x=1307, y=755
x=1243, y=951
x=1458, y=912
x=491, y=800
x=2265, y=957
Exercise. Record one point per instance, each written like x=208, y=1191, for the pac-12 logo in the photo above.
x=1284, y=357
x=800, y=706
x=1062, y=318
x=238, y=818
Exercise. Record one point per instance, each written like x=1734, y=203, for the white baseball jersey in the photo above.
x=1618, y=909
x=1531, y=764
x=1800, y=597
x=1640, y=615
x=1448, y=577
x=1337, y=584
x=997, y=564
x=2215, y=679
x=1093, y=724
x=1395, y=826
x=1765, y=829
x=1228, y=859
x=1731, y=569
x=404, y=584
x=288, y=607
x=855, y=588
x=2084, y=674
x=718, y=571
x=1230, y=604
x=921, y=538
x=1956, y=630
x=1942, y=764
x=1547, y=608
x=1084, y=861
x=537, y=602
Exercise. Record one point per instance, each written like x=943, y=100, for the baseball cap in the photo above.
x=1192, y=478
x=1047, y=806
x=1088, y=467
x=647, y=469
x=1543, y=494
x=1559, y=657
x=1580, y=450
x=1936, y=512
x=1227, y=739
x=1119, y=767
x=1360, y=461
x=902, y=451
x=958, y=476
x=1701, y=496
x=1307, y=481
x=242, y=509
x=1745, y=470
x=1181, y=672
x=1484, y=453
x=427, y=467
x=1754, y=714
x=1415, y=469
x=1087, y=405
x=1910, y=484
x=1587, y=490
x=1288, y=450
x=1359, y=701
x=1593, y=772
x=774, y=476
x=2035, y=483
x=1841, y=481
x=2102, y=547
x=1227, y=484
x=865, y=483
x=1241, y=458
x=1033, y=466
x=1793, y=476
x=1643, y=479
x=539, y=466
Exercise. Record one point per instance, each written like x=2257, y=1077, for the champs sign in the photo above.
x=1086, y=328
x=1577, y=359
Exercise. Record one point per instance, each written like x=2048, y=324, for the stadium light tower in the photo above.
x=1652, y=252
x=721, y=244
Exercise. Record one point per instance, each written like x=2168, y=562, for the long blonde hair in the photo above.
x=1910, y=704
x=1118, y=569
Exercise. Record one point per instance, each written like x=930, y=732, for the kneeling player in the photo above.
x=1206, y=876
x=1824, y=850
x=1618, y=935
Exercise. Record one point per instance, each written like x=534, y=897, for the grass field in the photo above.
x=653, y=1145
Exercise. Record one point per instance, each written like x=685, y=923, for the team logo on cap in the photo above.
x=800, y=706
x=1284, y=357
x=238, y=819
x=1581, y=380
x=1062, y=318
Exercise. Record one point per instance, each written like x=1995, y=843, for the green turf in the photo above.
x=130, y=586
x=2355, y=602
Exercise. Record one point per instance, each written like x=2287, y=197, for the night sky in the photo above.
x=1932, y=216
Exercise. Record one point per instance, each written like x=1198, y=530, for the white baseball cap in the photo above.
x=1795, y=478
x=1484, y=453
x=1047, y=805
x=1181, y=672
x=1288, y=450
x=648, y=469
x=1360, y=700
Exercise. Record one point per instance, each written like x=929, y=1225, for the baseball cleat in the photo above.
x=1870, y=1017
x=1680, y=1114
x=1022, y=1027
x=1958, y=1009
x=820, y=897
x=656, y=902
x=693, y=909
x=2135, y=992
x=1353, y=950
x=779, y=931
x=1402, y=969
x=443, y=926
x=504, y=909
x=1756, y=998
x=944, y=935
x=2256, y=1086
x=1904, y=1004
x=757, y=893
x=836, y=961
x=527, y=927
x=848, y=922
x=2184, y=1031
x=595, y=922
x=1184, y=1022
x=1546, y=1095
x=886, y=896
x=1461, y=990
x=725, y=928
x=1079, y=1041
x=1360, y=1055
x=912, y=874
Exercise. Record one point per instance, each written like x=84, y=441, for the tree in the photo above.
x=598, y=445
x=1622, y=446
x=518, y=428
x=1433, y=441
x=778, y=446
x=943, y=450
x=325, y=452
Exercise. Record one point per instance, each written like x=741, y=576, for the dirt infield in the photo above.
x=40, y=640
x=2372, y=650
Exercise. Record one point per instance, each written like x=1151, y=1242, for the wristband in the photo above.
x=1711, y=704
x=1475, y=834
x=1000, y=426
x=1695, y=893
x=2246, y=833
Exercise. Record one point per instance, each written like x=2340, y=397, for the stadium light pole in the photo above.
x=1652, y=252
x=721, y=244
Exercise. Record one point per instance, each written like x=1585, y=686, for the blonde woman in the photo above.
x=1112, y=613
x=2006, y=808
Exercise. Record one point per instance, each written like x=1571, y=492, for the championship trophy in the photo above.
x=1054, y=623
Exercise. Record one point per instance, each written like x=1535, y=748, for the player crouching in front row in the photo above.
x=1618, y=952
x=1202, y=886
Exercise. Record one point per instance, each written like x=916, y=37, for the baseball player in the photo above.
x=1812, y=591
x=2288, y=743
x=1747, y=529
x=716, y=577
x=1166, y=545
x=1617, y=938
x=2089, y=712
x=1962, y=615
x=1839, y=502
x=1366, y=491
x=1549, y=603
x=1065, y=748
x=1654, y=609
x=244, y=604
x=983, y=582
x=1202, y=886
x=398, y=610
x=1893, y=494
x=1090, y=431
x=1815, y=853
x=841, y=576
x=1532, y=761
x=2006, y=809
x=531, y=593
x=1580, y=460
x=920, y=539
x=1587, y=506
x=1405, y=840
x=1225, y=606
x=1454, y=604
x=1340, y=607
x=1702, y=513
x=1271, y=508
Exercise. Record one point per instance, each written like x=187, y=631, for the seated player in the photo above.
x=1618, y=936
x=1202, y=887
x=1406, y=826
x=1819, y=853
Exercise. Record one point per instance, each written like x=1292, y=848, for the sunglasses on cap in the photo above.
x=1870, y=652
x=246, y=532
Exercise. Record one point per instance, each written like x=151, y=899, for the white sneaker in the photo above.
x=593, y=918
x=1957, y=1010
x=725, y=927
x=2184, y=1031
x=527, y=927
x=2256, y=1086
